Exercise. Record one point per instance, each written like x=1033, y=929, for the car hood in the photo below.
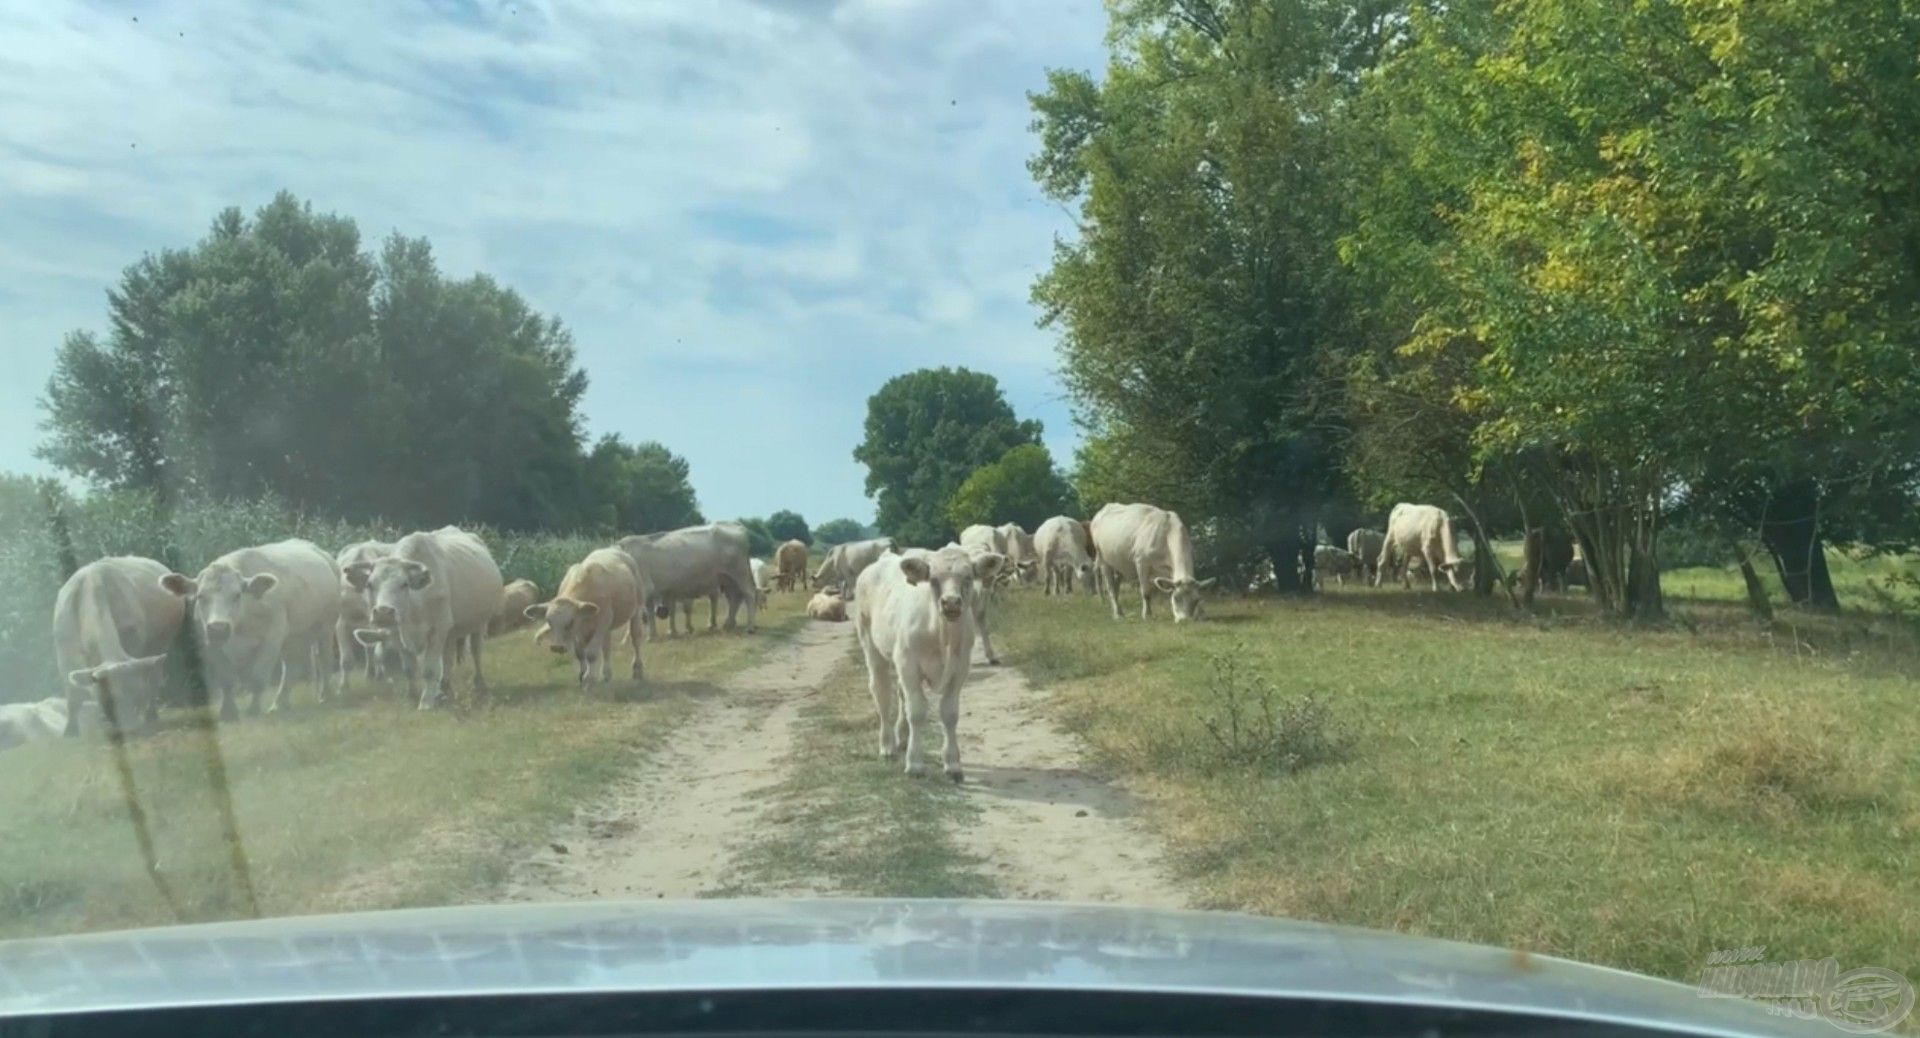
x=813, y=944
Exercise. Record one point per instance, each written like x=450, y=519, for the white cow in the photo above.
x=988, y=537
x=1063, y=548
x=1365, y=545
x=260, y=613
x=514, y=600
x=23, y=723
x=827, y=605
x=762, y=579
x=692, y=562
x=846, y=562
x=1022, y=559
x=914, y=618
x=1151, y=547
x=356, y=611
x=438, y=590
x=600, y=594
x=112, y=626
x=1423, y=534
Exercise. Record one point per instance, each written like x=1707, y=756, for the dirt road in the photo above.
x=677, y=823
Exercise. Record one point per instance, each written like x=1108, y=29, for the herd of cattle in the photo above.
x=417, y=607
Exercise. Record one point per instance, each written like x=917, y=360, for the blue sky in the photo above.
x=750, y=214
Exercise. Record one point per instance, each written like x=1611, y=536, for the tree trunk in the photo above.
x=1292, y=566
x=1644, y=601
x=1791, y=533
x=1756, y=591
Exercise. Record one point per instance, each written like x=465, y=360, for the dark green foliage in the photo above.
x=839, y=531
x=787, y=525
x=1022, y=487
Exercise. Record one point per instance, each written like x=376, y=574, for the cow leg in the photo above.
x=433, y=671
x=633, y=635
x=343, y=651
x=950, y=725
x=986, y=637
x=1113, y=592
x=479, y=672
x=913, y=688
x=753, y=603
x=713, y=610
x=884, y=686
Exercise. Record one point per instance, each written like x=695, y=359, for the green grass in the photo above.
x=846, y=821
x=1554, y=782
x=368, y=805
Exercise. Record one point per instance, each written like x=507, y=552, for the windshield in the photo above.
x=1446, y=468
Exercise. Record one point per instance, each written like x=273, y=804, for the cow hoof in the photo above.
x=993, y=661
x=955, y=775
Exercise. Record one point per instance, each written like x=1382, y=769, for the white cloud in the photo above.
x=749, y=213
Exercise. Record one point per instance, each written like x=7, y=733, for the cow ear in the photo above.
x=1163, y=584
x=987, y=563
x=418, y=576
x=589, y=610
x=261, y=583
x=180, y=584
x=1207, y=582
x=915, y=569
x=537, y=611
x=357, y=575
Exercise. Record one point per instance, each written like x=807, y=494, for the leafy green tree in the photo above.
x=1198, y=300
x=640, y=488
x=926, y=432
x=786, y=525
x=276, y=357
x=839, y=531
x=1022, y=487
x=760, y=540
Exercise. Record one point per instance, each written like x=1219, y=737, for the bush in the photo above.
x=1686, y=546
x=1250, y=724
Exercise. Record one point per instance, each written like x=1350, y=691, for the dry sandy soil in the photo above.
x=674, y=826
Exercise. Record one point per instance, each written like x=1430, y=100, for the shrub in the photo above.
x=1250, y=724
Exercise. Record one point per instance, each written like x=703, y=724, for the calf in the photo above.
x=914, y=618
x=600, y=594
x=827, y=605
x=1064, y=550
x=1329, y=561
x=512, y=614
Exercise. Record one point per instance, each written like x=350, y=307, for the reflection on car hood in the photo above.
x=783, y=945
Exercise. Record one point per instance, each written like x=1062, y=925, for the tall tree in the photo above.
x=926, y=432
x=838, y=531
x=276, y=357
x=1022, y=487
x=1197, y=300
x=639, y=488
x=787, y=525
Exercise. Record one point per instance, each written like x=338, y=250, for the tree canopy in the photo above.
x=926, y=432
x=787, y=525
x=839, y=531
x=277, y=357
x=1022, y=487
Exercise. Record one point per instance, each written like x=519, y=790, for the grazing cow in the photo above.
x=1365, y=546
x=1064, y=549
x=1151, y=547
x=23, y=723
x=356, y=611
x=980, y=536
x=847, y=561
x=1022, y=559
x=1329, y=561
x=512, y=615
x=260, y=613
x=1423, y=534
x=827, y=605
x=599, y=595
x=437, y=590
x=696, y=562
x=829, y=564
x=914, y=618
x=112, y=626
x=790, y=566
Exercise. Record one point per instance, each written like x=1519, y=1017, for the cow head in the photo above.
x=953, y=575
x=390, y=584
x=571, y=624
x=224, y=600
x=1184, y=596
x=127, y=691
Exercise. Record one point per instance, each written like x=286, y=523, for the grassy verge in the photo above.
x=848, y=822
x=369, y=805
x=1637, y=798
